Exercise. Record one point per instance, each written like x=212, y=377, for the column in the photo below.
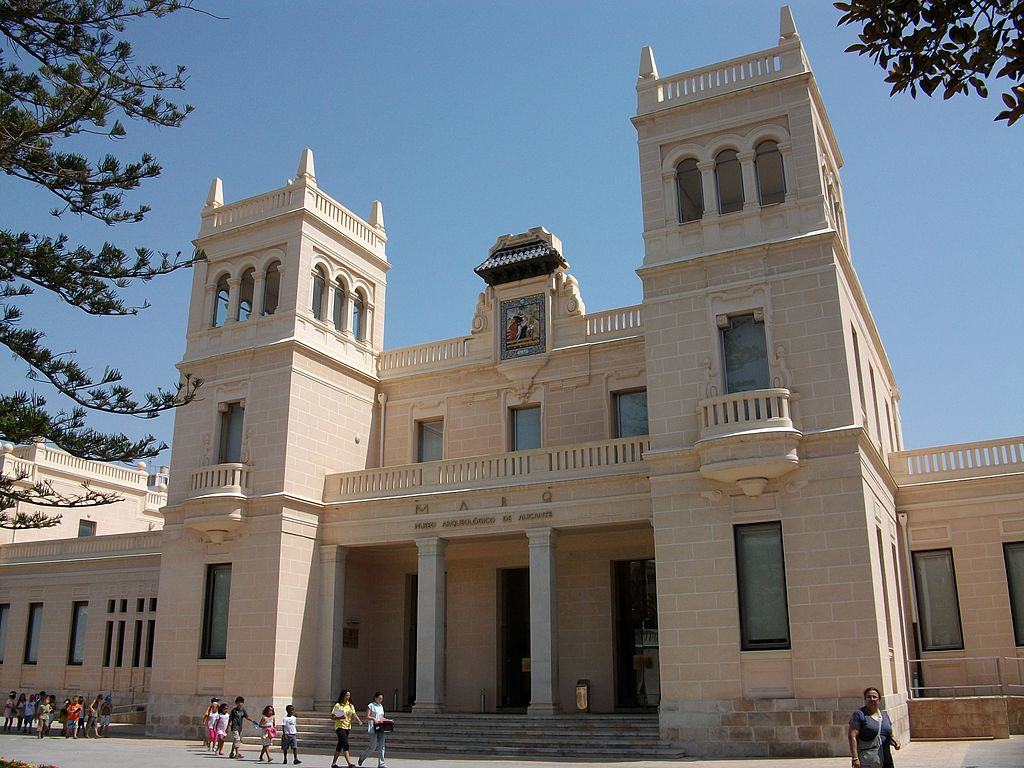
x=258, y=284
x=332, y=619
x=233, y=296
x=709, y=187
x=751, y=194
x=430, y=629
x=543, y=622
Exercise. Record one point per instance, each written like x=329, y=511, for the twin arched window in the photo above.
x=768, y=171
x=247, y=295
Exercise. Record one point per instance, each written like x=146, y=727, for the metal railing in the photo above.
x=961, y=676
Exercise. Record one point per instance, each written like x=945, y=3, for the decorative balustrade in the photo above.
x=220, y=479
x=155, y=501
x=614, y=323
x=726, y=76
x=28, y=460
x=758, y=409
x=581, y=460
x=286, y=200
x=957, y=462
x=434, y=354
x=91, y=547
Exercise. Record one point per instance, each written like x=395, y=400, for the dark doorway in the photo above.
x=637, y=666
x=515, y=638
x=412, y=582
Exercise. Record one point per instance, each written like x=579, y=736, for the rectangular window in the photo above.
x=108, y=641
x=937, y=604
x=150, y=630
x=630, y=413
x=119, y=655
x=76, y=646
x=137, y=644
x=745, y=352
x=152, y=603
x=35, y=626
x=215, y=611
x=140, y=604
x=761, y=581
x=123, y=606
x=525, y=428
x=5, y=611
x=1014, y=555
x=86, y=528
x=231, y=416
x=430, y=440
x=110, y=605
x=860, y=373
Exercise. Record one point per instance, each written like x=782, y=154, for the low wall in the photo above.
x=974, y=717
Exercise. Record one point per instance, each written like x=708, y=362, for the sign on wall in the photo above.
x=522, y=326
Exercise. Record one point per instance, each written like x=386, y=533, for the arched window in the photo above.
x=339, y=306
x=272, y=288
x=358, y=315
x=729, y=180
x=689, y=191
x=245, y=293
x=319, y=287
x=771, y=179
x=220, y=302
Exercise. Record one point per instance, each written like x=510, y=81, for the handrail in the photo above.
x=960, y=461
x=998, y=679
x=580, y=460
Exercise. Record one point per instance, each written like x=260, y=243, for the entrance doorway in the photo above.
x=514, y=654
x=637, y=665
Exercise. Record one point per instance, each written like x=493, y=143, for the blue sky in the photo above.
x=472, y=119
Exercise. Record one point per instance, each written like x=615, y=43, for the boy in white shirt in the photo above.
x=288, y=735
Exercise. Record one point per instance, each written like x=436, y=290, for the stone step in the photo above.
x=573, y=736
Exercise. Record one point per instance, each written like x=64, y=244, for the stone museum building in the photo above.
x=700, y=504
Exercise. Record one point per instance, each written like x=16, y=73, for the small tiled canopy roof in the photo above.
x=521, y=261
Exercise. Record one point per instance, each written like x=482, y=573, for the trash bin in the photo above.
x=582, y=695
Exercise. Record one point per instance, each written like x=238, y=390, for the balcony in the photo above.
x=580, y=461
x=748, y=438
x=217, y=496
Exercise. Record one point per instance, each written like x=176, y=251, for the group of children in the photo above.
x=75, y=717
x=222, y=722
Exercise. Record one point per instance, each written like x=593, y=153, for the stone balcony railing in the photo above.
x=582, y=460
x=615, y=323
x=757, y=409
x=219, y=480
x=963, y=461
x=87, y=547
x=748, y=438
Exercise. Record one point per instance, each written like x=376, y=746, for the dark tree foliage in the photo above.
x=949, y=46
x=66, y=71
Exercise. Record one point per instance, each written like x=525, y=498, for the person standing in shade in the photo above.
x=374, y=717
x=870, y=734
x=342, y=715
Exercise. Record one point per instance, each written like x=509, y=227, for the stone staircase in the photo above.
x=582, y=736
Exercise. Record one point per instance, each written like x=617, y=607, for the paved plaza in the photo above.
x=128, y=747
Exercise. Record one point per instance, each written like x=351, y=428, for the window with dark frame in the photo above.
x=108, y=641
x=630, y=413
x=1013, y=554
x=768, y=169
x=32, y=633
x=246, y=291
x=689, y=191
x=76, y=643
x=745, y=353
x=86, y=528
x=215, y=611
x=271, y=288
x=761, y=585
x=137, y=644
x=220, y=302
x=729, y=180
x=5, y=611
x=319, y=288
x=231, y=419
x=119, y=651
x=525, y=428
x=430, y=440
x=150, y=638
x=938, y=607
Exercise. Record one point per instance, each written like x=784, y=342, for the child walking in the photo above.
x=268, y=730
x=236, y=719
x=288, y=729
x=43, y=713
x=222, y=727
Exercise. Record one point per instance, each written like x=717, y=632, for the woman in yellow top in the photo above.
x=342, y=716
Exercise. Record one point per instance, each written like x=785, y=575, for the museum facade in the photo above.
x=699, y=504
